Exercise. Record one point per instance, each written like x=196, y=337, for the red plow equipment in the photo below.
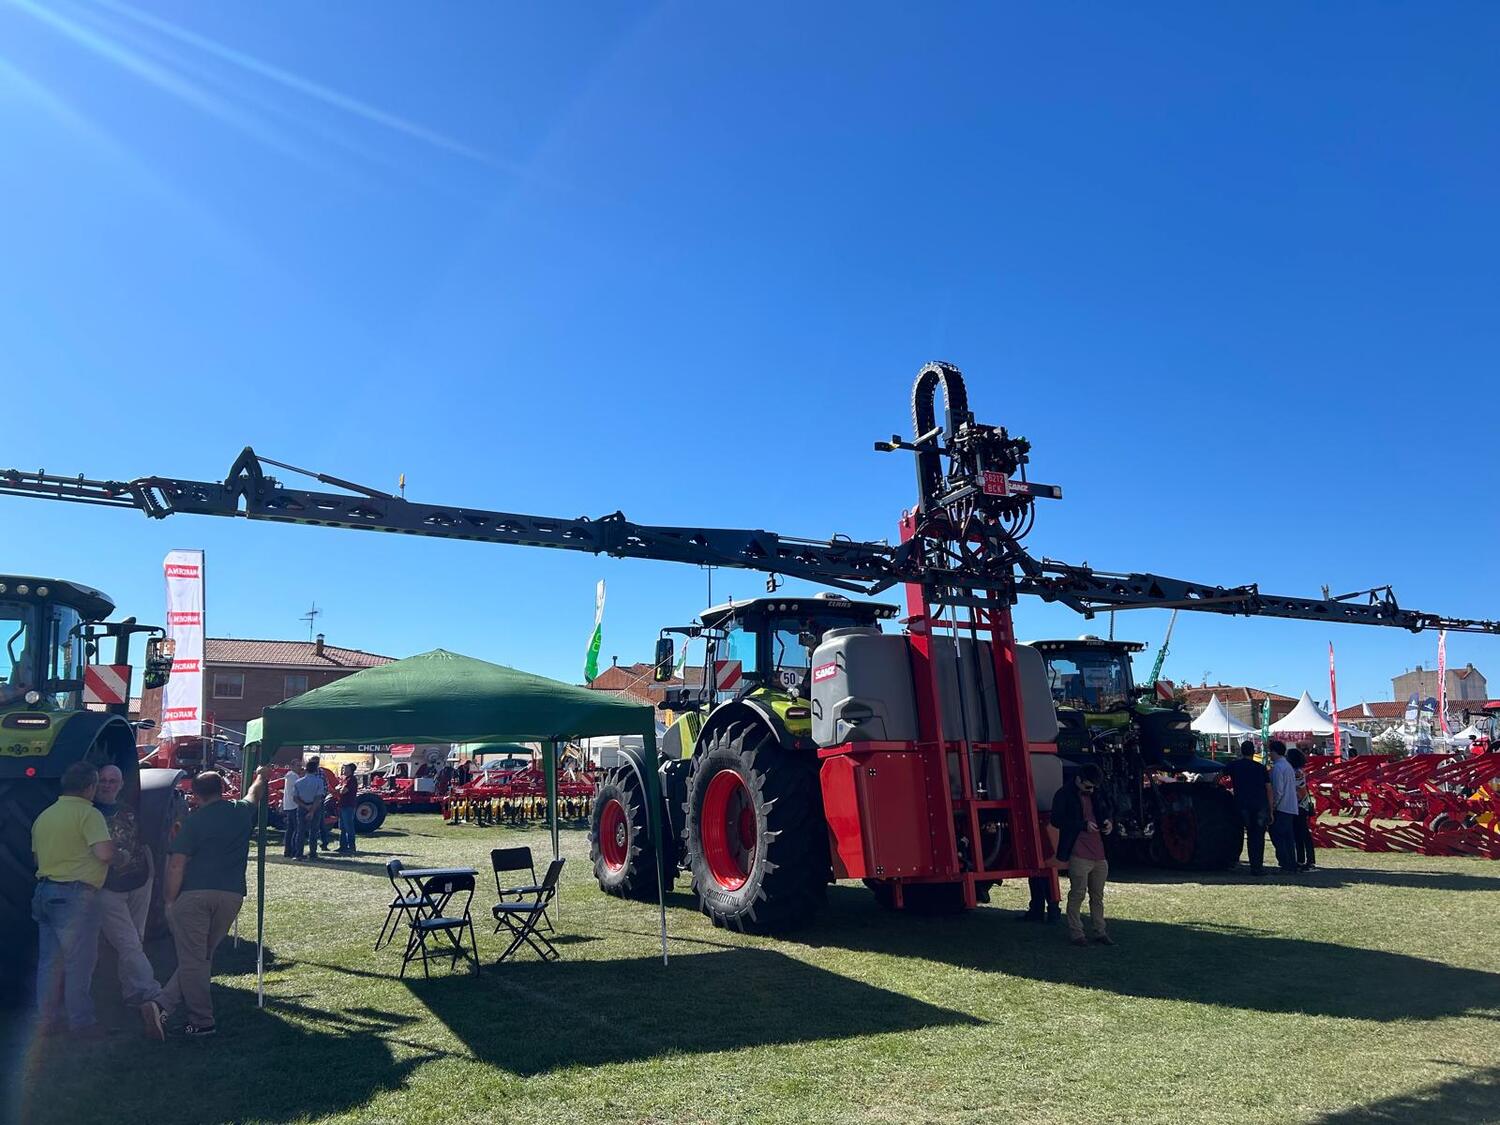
x=518, y=797
x=1433, y=804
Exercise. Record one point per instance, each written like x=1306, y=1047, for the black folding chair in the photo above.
x=405, y=906
x=445, y=889
x=507, y=860
x=522, y=918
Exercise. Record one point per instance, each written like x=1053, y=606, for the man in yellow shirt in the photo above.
x=72, y=846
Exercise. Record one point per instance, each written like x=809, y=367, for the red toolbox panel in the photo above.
x=876, y=805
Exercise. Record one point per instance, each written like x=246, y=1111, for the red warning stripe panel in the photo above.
x=106, y=683
x=727, y=674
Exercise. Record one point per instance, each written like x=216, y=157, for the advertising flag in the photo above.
x=1442, y=695
x=591, y=660
x=1333, y=702
x=182, y=698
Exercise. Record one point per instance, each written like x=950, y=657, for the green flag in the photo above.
x=591, y=661
x=1265, y=720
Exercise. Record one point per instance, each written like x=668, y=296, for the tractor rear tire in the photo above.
x=620, y=844
x=21, y=801
x=1198, y=829
x=757, y=843
x=369, y=813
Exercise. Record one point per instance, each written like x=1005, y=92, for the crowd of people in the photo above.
x=94, y=881
x=305, y=797
x=1274, y=800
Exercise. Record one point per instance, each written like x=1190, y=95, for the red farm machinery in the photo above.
x=918, y=761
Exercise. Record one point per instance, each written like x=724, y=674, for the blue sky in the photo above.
x=1232, y=270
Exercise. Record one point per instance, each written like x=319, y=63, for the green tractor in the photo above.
x=49, y=632
x=1170, y=809
x=739, y=774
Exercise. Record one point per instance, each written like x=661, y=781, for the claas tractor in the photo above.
x=819, y=748
x=1170, y=809
x=50, y=631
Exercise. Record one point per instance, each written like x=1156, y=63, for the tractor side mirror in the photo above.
x=160, y=652
x=144, y=724
x=664, y=660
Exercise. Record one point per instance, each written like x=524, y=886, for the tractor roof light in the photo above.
x=23, y=589
x=41, y=591
x=33, y=698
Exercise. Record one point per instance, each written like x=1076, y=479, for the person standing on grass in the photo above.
x=291, y=817
x=1252, y=799
x=348, y=798
x=204, y=890
x=1302, y=843
x=1284, y=807
x=125, y=900
x=72, y=845
x=1081, y=818
x=311, y=791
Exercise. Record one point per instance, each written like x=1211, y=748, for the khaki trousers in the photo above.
x=199, y=921
x=1086, y=876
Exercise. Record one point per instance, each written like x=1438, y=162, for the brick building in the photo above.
x=1465, y=684
x=242, y=678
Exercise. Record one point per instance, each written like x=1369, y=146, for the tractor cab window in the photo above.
x=1087, y=682
x=65, y=654
x=736, y=647
x=790, y=657
x=17, y=659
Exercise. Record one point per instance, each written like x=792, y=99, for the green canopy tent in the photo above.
x=441, y=696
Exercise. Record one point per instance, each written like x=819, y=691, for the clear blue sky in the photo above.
x=1232, y=269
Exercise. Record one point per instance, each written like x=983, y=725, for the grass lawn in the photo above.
x=1363, y=993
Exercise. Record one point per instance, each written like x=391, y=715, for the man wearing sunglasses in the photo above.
x=1081, y=818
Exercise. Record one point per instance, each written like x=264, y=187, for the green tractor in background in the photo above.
x=739, y=776
x=50, y=630
x=1170, y=809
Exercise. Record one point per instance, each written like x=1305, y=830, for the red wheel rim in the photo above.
x=729, y=832
x=614, y=834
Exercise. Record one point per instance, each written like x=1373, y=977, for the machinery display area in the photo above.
x=918, y=762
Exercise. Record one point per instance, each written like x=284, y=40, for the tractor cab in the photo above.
x=764, y=644
x=42, y=644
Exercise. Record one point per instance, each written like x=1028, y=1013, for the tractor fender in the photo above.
x=753, y=711
x=68, y=738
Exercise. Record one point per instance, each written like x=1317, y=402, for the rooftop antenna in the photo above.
x=311, y=616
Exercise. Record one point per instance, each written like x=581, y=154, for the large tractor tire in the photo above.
x=757, y=843
x=21, y=801
x=1198, y=829
x=369, y=813
x=162, y=809
x=620, y=840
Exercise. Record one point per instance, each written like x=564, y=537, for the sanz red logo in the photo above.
x=185, y=617
x=996, y=484
x=181, y=570
x=825, y=672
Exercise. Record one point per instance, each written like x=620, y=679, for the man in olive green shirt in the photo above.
x=72, y=847
x=204, y=889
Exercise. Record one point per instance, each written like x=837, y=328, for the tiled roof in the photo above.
x=286, y=654
x=1396, y=709
x=1230, y=693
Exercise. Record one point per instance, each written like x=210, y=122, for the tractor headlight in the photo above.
x=41, y=591
x=33, y=698
x=23, y=589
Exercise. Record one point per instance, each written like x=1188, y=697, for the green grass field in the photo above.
x=1363, y=993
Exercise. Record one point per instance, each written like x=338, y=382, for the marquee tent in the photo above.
x=441, y=696
x=1216, y=719
x=1305, y=718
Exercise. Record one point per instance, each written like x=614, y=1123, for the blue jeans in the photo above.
x=67, y=917
x=346, y=829
x=1281, y=840
x=292, y=818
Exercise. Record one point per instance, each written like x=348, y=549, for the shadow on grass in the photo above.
x=349, y=1056
x=1322, y=877
x=1471, y=1097
x=1227, y=966
x=593, y=1013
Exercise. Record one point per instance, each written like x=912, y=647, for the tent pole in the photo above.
x=260, y=879
x=657, y=829
x=549, y=763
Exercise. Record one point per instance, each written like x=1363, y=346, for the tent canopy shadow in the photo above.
x=1227, y=966
x=593, y=1013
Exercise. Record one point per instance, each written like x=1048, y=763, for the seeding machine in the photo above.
x=921, y=761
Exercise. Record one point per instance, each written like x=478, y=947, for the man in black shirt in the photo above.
x=1252, y=797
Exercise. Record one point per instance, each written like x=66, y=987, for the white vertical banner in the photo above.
x=1442, y=694
x=182, y=698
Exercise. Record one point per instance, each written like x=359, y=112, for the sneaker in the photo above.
x=155, y=1021
x=1054, y=914
x=1030, y=916
x=192, y=1031
x=1103, y=939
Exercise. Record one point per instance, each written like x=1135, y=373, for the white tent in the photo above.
x=1469, y=732
x=1216, y=720
x=1305, y=718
